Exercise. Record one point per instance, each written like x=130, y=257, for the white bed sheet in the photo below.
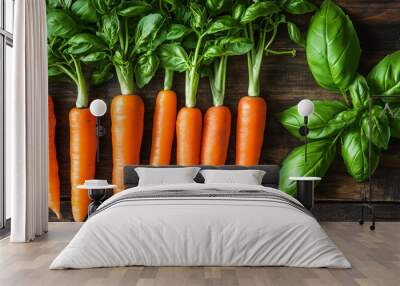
x=200, y=232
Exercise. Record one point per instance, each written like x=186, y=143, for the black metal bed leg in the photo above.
x=372, y=226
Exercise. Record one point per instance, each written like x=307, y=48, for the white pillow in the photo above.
x=247, y=177
x=166, y=176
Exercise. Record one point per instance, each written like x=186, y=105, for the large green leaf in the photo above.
x=147, y=29
x=84, y=43
x=65, y=4
x=174, y=57
x=146, y=68
x=359, y=92
x=259, y=9
x=84, y=10
x=53, y=71
x=177, y=31
x=320, y=155
x=198, y=16
x=133, y=8
x=295, y=34
x=239, y=8
x=298, y=6
x=328, y=119
x=380, y=127
x=95, y=57
x=384, y=78
x=355, y=150
x=104, y=7
x=332, y=48
x=227, y=46
x=223, y=23
x=217, y=5
x=109, y=29
x=61, y=24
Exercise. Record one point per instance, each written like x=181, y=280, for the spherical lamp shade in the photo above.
x=305, y=107
x=98, y=107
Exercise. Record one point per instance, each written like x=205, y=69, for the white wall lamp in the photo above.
x=98, y=108
x=305, y=109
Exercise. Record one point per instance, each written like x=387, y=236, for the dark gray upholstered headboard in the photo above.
x=271, y=177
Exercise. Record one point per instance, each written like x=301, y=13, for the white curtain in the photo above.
x=26, y=123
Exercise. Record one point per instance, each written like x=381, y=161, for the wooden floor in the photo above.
x=375, y=257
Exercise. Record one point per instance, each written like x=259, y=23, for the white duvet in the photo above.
x=202, y=231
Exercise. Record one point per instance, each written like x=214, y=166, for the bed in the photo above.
x=199, y=224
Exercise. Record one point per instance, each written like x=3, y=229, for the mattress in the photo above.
x=201, y=225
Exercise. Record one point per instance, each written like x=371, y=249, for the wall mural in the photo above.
x=90, y=42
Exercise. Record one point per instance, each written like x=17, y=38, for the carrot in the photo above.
x=217, y=129
x=127, y=114
x=54, y=180
x=82, y=126
x=252, y=112
x=188, y=136
x=163, y=128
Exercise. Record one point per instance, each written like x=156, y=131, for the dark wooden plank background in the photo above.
x=285, y=81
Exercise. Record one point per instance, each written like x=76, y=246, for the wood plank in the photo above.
x=285, y=81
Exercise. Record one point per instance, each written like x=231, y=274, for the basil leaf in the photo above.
x=223, y=23
x=133, y=8
x=384, y=78
x=259, y=9
x=54, y=71
x=325, y=122
x=299, y=6
x=198, y=17
x=295, y=34
x=84, y=10
x=104, y=7
x=332, y=48
x=109, y=29
x=359, y=92
x=171, y=3
x=177, y=31
x=355, y=149
x=65, y=4
x=94, y=57
x=380, y=128
x=227, y=46
x=216, y=5
x=238, y=10
x=320, y=155
x=84, y=43
x=174, y=57
x=102, y=74
x=145, y=69
x=61, y=24
x=234, y=46
x=147, y=27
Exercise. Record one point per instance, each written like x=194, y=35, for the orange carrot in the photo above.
x=54, y=180
x=188, y=136
x=217, y=129
x=127, y=114
x=252, y=112
x=163, y=128
x=82, y=126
